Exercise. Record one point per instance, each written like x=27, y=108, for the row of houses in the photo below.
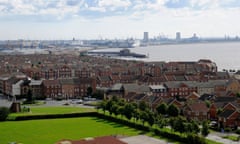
x=182, y=88
x=224, y=108
x=19, y=85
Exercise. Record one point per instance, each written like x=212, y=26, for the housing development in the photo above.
x=196, y=88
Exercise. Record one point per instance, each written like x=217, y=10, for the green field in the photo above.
x=52, y=110
x=51, y=131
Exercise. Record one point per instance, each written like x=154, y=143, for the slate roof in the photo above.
x=206, y=97
x=180, y=78
x=117, y=86
x=226, y=113
x=136, y=88
x=157, y=87
x=225, y=99
x=35, y=82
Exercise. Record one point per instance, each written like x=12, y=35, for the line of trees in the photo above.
x=163, y=116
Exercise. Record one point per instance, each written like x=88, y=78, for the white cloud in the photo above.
x=114, y=4
x=205, y=3
x=100, y=9
x=107, y=18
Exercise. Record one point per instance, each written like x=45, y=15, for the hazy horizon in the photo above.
x=109, y=19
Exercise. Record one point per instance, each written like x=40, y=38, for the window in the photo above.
x=197, y=113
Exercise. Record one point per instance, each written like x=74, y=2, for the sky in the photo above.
x=117, y=19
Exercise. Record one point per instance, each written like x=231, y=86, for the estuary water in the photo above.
x=225, y=55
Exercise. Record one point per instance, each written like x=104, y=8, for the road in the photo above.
x=6, y=103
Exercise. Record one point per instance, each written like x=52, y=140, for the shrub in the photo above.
x=227, y=129
x=4, y=112
x=195, y=139
x=238, y=131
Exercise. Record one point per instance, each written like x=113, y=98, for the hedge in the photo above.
x=55, y=116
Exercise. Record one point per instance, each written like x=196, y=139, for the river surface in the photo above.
x=226, y=55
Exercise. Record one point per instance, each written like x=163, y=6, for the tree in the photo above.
x=195, y=127
x=161, y=122
x=205, y=129
x=115, y=109
x=136, y=114
x=115, y=99
x=179, y=124
x=162, y=109
x=4, y=112
x=102, y=105
x=30, y=98
x=89, y=91
x=143, y=105
x=121, y=110
x=98, y=94
x=143, y=116
x=173, y=110
x=109, y=105
x=208, y=103
x=128, y=110
x=238, y=95
x=191, y=127
x=151, y=118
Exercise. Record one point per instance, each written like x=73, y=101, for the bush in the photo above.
x=4, y=112
x=195, y=139
x=238, y=131
x=227, y=129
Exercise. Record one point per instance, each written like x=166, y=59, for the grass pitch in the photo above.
x=51, y=131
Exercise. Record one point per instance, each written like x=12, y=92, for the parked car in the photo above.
x=77, y=101
x=213, y=124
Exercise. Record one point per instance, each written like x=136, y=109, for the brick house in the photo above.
x=181, y=89
x=3, y=80
x=64, y=72
x=37, y=88
x=75, y=88
x=104, y=81
x=196, y=111
x=192, y=97
x=49, y=73
x=158, y=90
x=52, y=89
x=84, y=73
x=229, y=118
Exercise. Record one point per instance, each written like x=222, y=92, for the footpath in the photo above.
x=216, y=136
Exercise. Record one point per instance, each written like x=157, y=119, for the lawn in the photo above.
x=52, y=110
x=51, y=131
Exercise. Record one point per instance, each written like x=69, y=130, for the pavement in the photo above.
x=216, y=136
x=142, y=139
